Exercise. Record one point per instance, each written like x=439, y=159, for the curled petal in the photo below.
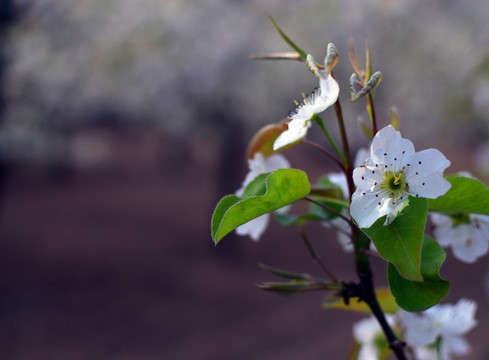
x=329, y=91
x=296, y=132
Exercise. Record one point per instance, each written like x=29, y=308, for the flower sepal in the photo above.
x=263, y=140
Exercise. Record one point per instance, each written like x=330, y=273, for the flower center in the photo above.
x=394, y=183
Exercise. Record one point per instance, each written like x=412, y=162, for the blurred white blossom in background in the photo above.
x=170, y=65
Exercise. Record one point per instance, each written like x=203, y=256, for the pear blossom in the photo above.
x=315, y=103
x=343, y=227
x=368, y=334
x=469, y=238
x=392, y=173
x=258, y=165
x=445, y=324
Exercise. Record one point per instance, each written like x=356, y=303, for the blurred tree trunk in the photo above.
x=8, y=15
x=230, y=168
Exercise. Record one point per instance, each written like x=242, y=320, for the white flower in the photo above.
x=257, y=166
x=444, y=323
x=392, y=173
x=315, y=103
x=367, y=333
x=469, y=238
x=343, y=227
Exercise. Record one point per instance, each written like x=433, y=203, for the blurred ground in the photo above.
x=117, y=263
x=153, y=104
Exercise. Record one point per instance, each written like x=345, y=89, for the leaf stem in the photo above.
x=316, y=258
x=327, y=208
x=317, y=119
x=364, y=272
x=371, y=113
x=344, y=138
x=325, y=152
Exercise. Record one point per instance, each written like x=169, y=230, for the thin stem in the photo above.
x=327, y=208
x=370, y=252
x=348, y=166
x=371, y=299
x=316, y=257
x=371, y=113
x=364, y=272
x=319, y=121
x=344, y=138
x=325, y=152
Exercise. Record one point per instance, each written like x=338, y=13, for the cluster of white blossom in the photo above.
x=392, y=173
x=468, y=237
x=437, y=333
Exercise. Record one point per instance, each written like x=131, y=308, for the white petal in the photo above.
x=444, y=232
x=418, y=329
x=365, y=209
x=456, y=319
x=260, y=165
x=470, y=243
x=275, y=162
x=388, y=147
x=454, y=345
x=365, y=330
x=254, y=228
x=340, y=180
x=425, y=174
x=343, y=232
x=367, y=177
x=297, y=131
x=305, y=112
x=426, y=353
x=368, y=352
x=329, y=91
x=256, y=166
x=361, y=157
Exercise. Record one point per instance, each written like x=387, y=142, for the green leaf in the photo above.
x=288, y=220
x=400, y=242
x=297, y=49
x=416, y=295
x=295, y=286
x=268, y=192
x=465, y=195
x=285, y=273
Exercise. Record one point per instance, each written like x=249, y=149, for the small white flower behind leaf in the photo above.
x=446, y=324
x=392, y=173
x=315, y=103
x=468, y=237
x=257, y=166
x=368, y=334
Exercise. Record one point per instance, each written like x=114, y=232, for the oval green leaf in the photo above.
x=416, y=295
x=400, y=242
x=268, y=192
x=466, y=195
